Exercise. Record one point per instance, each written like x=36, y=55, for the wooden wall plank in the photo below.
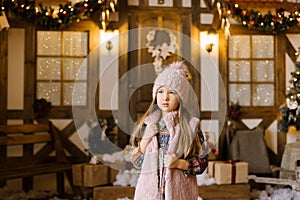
x=282, y=43
x=29, y=89
x=3, y=74
x=3, y=88
x=26, y=128
x=29, y=69
x=195, y=10
x=25, y=139
x=223, y=68
x=123, y=137
x=177, y=3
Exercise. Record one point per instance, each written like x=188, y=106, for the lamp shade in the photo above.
x=3, y=21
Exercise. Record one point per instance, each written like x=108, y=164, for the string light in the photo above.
x=252, y=19
x=112, y=5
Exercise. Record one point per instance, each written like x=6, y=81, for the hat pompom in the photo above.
x=181, y=68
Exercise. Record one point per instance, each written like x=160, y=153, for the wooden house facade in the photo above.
x=117, y=69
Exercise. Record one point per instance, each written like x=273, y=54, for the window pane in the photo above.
x=75, y=68
x=78, y=98
x=239, y=71
x=75, y=43
x=48, y=68
x=263, y=70
x=263, y=94
x=239, y=46
x=49, y=91
x=240, y=93
x=61, y=62
x=48, y=43
x=262, y=46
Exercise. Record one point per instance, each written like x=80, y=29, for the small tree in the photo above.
x=290, y=111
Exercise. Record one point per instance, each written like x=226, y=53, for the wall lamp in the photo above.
x=109, y=45
x=211, y=35
x=3, y=21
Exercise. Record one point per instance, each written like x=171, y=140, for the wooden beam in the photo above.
x=124, y=45
x=69, y=145
x=195, y=10
x=3, y=89
x=3, y=74
x=283, y=45
x=29, y=69
x=26, y=128
x=177, y=3
x=216, y=23
x=25, y=139
x=209, y=4
x=290, y=50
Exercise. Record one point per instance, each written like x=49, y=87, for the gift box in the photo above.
x=91, y=175
x=225, y=172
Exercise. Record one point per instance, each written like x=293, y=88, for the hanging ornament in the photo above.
x=292, y=102
x=296, y=74
x=297, y=84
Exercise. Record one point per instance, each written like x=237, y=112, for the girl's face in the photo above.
x=167, y=99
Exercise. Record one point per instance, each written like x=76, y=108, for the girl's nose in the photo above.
x=166, y=97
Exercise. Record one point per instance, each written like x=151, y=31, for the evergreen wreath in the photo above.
x=161, y=44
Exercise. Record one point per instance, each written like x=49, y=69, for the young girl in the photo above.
x=167, y=141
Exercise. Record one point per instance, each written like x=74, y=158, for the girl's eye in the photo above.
x=172, y=92
x=160, y=91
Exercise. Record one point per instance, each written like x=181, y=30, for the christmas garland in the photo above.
x=41, y=108
x=234, y=110
x=47, y=17
x=270, y=23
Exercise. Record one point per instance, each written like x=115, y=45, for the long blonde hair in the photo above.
x=187, y=146
x=138, y=131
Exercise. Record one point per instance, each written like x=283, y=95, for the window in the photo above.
x=251, y=70
x=61, y=62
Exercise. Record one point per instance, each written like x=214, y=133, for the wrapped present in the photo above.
x=228, y=172
x=91, y=175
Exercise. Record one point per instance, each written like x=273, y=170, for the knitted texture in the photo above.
x=174, y=77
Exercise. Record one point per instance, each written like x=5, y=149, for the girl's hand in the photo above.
x=170, y=160
x=150, y=131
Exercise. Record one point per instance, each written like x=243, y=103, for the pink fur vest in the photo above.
x=177, y=186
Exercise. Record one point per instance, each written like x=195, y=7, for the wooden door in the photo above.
x=141, y=61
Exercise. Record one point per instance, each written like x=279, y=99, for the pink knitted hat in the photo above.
x=175, y=77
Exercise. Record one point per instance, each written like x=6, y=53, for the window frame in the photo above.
x=251, y=81
x=62, y=80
